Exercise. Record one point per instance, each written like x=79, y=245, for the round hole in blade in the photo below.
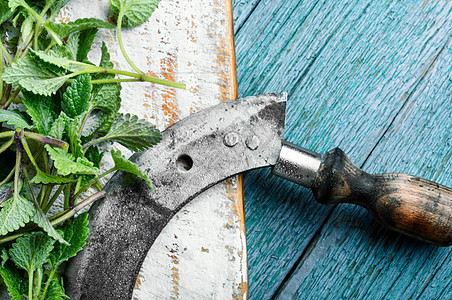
x=184, y=162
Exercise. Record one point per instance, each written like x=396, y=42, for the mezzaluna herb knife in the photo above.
x=57, y=107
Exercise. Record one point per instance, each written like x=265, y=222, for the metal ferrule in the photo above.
x=297, y=164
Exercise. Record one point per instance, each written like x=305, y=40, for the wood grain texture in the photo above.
x=356, y=71
x=405, y=203
x=374, y=262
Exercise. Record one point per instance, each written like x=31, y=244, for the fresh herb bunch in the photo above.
x=56, y=109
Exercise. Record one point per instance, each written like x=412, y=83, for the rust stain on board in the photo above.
x=169, y=107
x=174, y=272
x=139, y=278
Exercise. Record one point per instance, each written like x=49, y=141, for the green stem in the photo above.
x=8, y=57
x=86, y=186
x=77, y=187
x=51, y=44
x=89, y=69
x=72, y=211
x=30, y=156
x=139, y=77
x=11, y=99
x=46, y=140
x=52, y=274
x=12, y=237
x=6, y=94
x=25, y=44
x=53, y=199
x=38, y=284
x=6, y=145
x=99, y=186
x=1, y=72
x=17, y=169
x=46, y=161
x=43, y=23
x=30, y=285
x=85, y=117
x=67, y=193
x=28, y=184
x=114, y=80
x=7, y=134
x=121, y=46
x=47, y=191
x=44, y=11
x=35, y=42
x=8, y=177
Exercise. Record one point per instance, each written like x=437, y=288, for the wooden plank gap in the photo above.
x=306, y=252
x=430, y=279
x=245, y=19
x=407, y=99
x=308, y=68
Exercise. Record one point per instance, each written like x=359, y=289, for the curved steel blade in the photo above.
x=194, y=154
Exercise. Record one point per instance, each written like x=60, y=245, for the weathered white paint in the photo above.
x=198, y=255
x=201, y=254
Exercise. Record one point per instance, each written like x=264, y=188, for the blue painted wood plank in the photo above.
x=351, y=67
x=241, y=11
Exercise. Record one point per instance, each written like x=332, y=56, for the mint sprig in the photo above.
x=56, y=110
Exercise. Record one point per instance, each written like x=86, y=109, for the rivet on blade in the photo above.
x=231, y=139
x=252, y=142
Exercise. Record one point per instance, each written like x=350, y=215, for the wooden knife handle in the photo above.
x=408, y=204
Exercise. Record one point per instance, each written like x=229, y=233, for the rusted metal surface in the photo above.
x=190, y=42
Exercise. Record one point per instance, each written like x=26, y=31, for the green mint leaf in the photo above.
x=126, y=165
x=54, y=61
x=44, y=178
x=14, y=118
x=105, y=58
x=43, y=111
x=66, y=164
x=103, y=63
x=72, y=129
x=58, y=127
x=85, y=43
x=76, y=234
x=93, y=122
x=4, y=257
x=71, y=46
x=13, y=4
x=27, y=27
x=136, y=12
x=16, y=284
x=5, y=12
x=59, y=52
x=107, y=121
x=108, y=98
x=15, y=213
x=32, y=77
x=31, y=251
x=65, y=29
x=41, y=220
x=76, y=98
x=56, y=290
x=133, y=133
x=94, y=155
x=56, y=6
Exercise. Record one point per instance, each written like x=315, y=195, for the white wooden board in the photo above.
x=201, y=254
